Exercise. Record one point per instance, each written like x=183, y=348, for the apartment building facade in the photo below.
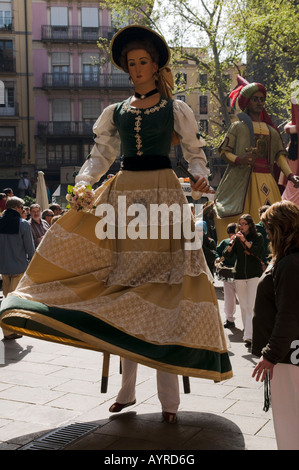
x=57, y=82
x=17, y=108
x=70, y=87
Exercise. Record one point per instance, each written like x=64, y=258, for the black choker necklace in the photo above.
x=146, y=95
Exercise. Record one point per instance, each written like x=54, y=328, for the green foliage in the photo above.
x=224, y=34
x=271, y=34
x=28, y=200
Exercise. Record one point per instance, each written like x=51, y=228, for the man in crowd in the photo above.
x=47, y=215
x=38, y=225
x=24, y=185
x=17, y=248
x=56, y=209
x=8, y=192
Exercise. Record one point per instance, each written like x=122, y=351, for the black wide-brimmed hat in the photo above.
x=138, y=33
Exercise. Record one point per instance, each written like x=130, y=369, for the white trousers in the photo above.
x=246, y=292
x=285, y=405
x=229, y=290
x=167, y=385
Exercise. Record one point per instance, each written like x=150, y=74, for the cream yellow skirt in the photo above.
x=146, y=298
x=262, y=190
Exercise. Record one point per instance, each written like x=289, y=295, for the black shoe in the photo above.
x=248, y=343
x=229, y=324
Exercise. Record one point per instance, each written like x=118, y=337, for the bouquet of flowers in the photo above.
x=81, y=198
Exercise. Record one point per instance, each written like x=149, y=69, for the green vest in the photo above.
x=145, y=131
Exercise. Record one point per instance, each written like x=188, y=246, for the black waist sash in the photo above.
x=145, y=163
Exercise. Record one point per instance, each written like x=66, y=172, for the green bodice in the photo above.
x=146, y=131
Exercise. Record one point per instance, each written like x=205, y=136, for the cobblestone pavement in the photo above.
x=45, y=388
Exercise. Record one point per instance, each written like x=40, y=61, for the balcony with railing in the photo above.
x=65, y=80
x=10, y=157
x=55, y=163
x=7, y=111
x=76, y=33
x=65, y=128
x=7, y=65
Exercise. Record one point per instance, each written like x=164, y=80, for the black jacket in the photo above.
x=276, y=313
x=247, y=266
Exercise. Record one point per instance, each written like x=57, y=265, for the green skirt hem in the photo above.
x=81, y=329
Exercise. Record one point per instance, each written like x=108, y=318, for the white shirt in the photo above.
x=107, y=144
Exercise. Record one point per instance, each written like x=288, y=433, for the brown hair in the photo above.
x=251, y=224
x=150, y=48
x=263, y=209
x=55, y=218
x=231, y=228
x=281, y=220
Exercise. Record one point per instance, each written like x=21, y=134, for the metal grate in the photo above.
x=35, y=445
x=61, y=437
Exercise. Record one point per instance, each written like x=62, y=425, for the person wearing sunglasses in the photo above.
x=252, y=147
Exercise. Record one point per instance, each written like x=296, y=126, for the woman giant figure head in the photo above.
x=136, y=37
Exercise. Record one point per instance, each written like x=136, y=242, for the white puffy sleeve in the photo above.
x=186, y=127
x=104, y=151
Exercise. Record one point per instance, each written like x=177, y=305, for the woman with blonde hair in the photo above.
x=276, y=322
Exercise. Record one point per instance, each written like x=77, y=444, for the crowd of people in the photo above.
x=21, y=230
x=153, y=301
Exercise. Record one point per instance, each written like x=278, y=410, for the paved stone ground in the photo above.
x=45, y=386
